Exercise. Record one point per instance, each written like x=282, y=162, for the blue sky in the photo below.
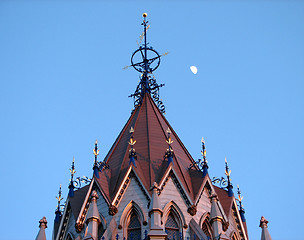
x=62, y=86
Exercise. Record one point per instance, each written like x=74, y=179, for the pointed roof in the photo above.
x=76, y=202
x=265, y=233
x=150, y=131
x=42, y=226
x=225, y=200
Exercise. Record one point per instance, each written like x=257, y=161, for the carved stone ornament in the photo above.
x=145, y=223
x=225, y=226
x=78, y=227
x=119, y=226
x=185, y=226
x=113, y=210
x=192, y=210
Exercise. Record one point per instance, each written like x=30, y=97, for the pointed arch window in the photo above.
x=172, y=228
x=134, y=227
x=206, y=227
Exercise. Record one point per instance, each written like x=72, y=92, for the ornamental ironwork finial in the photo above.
x=240, y=198
x=199, y=164
x=146, y=60
x=132, y=152
x=59, y=198
x=58, y=213
x=169, y=152
x=77, y=182
x=242, y=210
x=228, y=172
x=98, y=165
x=205, y=162
x=71, y=185
x=96, y=153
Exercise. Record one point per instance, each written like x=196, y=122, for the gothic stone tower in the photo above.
x=148, y=186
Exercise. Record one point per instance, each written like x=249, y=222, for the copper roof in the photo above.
x=150, y=128
x=77, y=201
x=225, y=200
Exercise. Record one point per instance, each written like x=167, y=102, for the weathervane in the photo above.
x=146, y=60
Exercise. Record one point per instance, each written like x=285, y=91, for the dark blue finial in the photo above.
x=169, y=152
x=71, y=185
x=180, y=235
x=205, y=162
x=132, y=154
x=242, y=210
x=58, y=213
x=229, y=186
x=95, y=166
x=146, y=234
x=117, y=236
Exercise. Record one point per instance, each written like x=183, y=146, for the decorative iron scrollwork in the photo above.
x=146, y=60
x=79, y=180
x=198, y=164
x=221, y=182
x=153, y=86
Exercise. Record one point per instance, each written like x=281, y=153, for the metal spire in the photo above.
x=95, y=166
x=71, y=185
x=240, y=198
x=132, y=154
x=205, y=162
x=146, y=60
x=58, y=213
x=228, y=172
x=169, y=152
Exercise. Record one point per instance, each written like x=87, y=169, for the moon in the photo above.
x=193, y=69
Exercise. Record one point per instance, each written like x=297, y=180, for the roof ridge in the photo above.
x=111, y=151
x=155, y=108
x=139, y=110
x=148, y=134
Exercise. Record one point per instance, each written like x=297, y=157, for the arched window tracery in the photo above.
x=134, y=226
x=172, y=227
x=206, y=227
